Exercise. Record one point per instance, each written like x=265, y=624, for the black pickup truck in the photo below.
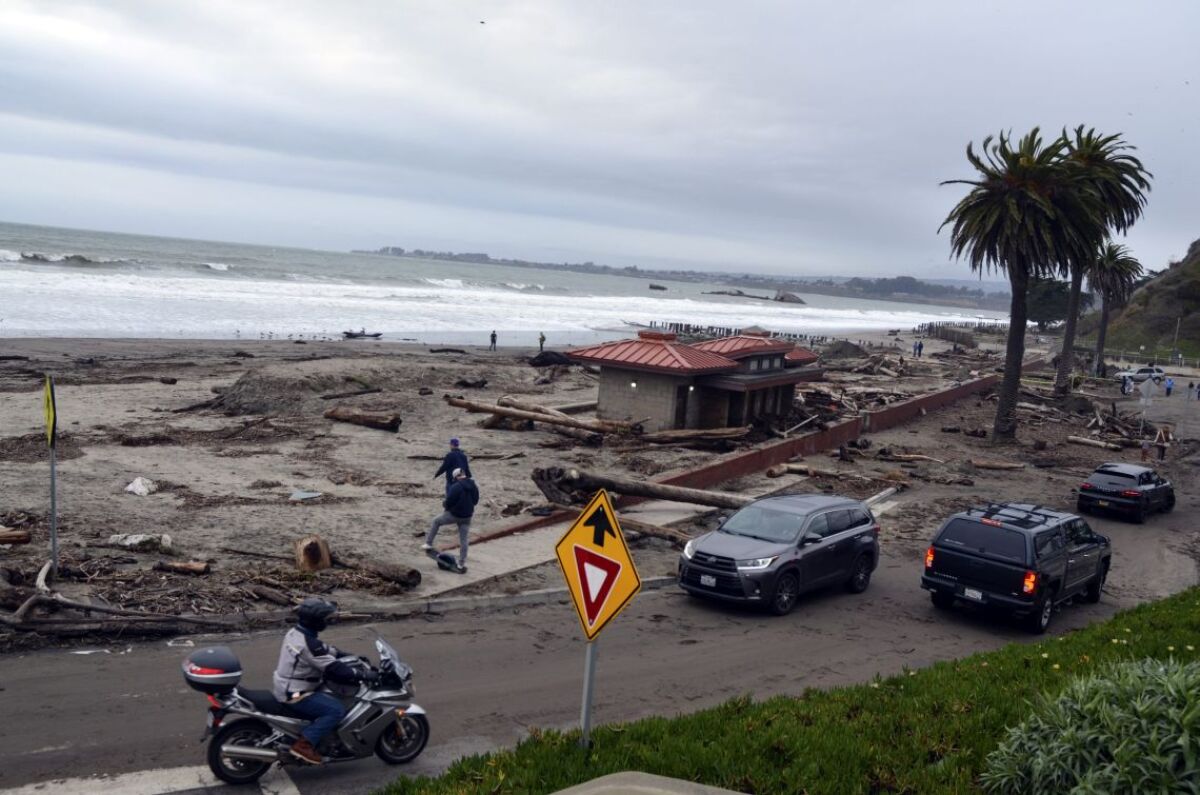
x=1021, y=558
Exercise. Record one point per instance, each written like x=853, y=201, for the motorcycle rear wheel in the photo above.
x=398, y=748
x=238, y=771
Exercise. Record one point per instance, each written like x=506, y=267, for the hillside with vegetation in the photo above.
x=1150, y=316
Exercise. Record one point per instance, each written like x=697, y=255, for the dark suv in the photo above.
x=776, y=548
x=1128, y=488
x=1021, y=558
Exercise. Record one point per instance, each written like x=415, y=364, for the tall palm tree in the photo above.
x=1118, y=183
x=1025, y=215
x=1113, y=275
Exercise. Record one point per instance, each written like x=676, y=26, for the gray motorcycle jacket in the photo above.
x=304, y=662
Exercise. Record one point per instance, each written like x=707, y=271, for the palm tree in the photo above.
x=1117, y=183
x=1025, y=215
x=1113, y=275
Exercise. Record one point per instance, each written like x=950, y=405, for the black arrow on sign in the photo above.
x=601, y=526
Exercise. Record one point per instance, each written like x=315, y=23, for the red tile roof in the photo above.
x=798, y=356
x=742, y=345
x=656, y=352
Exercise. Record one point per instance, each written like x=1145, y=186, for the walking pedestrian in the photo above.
x=1170, y=385
x=920, y=349
x=541, y=341
x=914, y=349
x=1145, y=449
x=1191, y=391
x=1126, y=385
x=459, y=507
x=492, y=347
x=455, y=459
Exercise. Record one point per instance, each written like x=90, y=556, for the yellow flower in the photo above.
x=1114, y=640
x=1189, y=647
x=1055, y=666
x=1170, y=648
x=1045, y=656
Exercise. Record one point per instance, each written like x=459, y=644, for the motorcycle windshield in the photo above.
x=386, y=652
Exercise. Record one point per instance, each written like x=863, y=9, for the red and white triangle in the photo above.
x=597, y=575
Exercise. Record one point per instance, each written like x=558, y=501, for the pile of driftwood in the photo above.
x=516, y=414
x=831, y=403
x=567, y=486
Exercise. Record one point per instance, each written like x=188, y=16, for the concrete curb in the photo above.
x=452, y=604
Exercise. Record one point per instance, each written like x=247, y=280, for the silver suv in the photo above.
x=776, y=548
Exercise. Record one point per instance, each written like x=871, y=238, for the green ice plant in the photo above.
x=1134, y=727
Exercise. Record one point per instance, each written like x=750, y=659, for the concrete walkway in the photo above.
x=642, y=784
x=509, y=554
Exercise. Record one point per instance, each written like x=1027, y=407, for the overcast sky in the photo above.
x=791, y=137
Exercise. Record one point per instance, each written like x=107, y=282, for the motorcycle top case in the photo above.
x=214, y=670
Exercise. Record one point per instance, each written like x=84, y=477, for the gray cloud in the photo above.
x=765, y=136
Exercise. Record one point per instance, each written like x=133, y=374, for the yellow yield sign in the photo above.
x=597, y=565
x=48, y=404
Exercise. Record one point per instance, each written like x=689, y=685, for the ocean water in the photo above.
x=75, y=283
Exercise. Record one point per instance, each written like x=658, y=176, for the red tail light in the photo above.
x=213, y=701
x=876, y=530
x=200, y=670
x=1085, y=486
x=1131, y=493
x=929, y=557
x=1030, y=583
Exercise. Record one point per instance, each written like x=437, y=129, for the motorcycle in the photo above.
x=251, y=730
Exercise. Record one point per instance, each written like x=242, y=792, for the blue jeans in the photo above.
x=325, y=712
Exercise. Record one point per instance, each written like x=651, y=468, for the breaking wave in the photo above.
x=64, y=259
x=9, y=256
x=218, y=266
x=452, y=283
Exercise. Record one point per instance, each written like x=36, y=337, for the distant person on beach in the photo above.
x=1170, y=385
x=920, y=349
x=459, y=507
x=541, y=341
x=914, y=349
x=1191, y=391
x=1126, y=385
x=455, y=459
x=492, y=347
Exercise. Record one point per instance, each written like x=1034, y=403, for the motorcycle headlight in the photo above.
x=755, y=564
x=689, y=549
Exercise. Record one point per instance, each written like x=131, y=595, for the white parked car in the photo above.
x=1141, y=374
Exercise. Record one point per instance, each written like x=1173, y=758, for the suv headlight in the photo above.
x=755, y=564
x=689, y=549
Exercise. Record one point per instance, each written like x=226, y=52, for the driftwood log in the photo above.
x=379, y=420
x=183, y=567
x=575, y=408
x=1093, y=443
x=567, y=486
x=676, y=537
x=804, y=469
x=694, y=435
x=269, y=594
x=8, y=536
x=355, y=393
x=401, y=575
x=1002, y=465
x=596, y=426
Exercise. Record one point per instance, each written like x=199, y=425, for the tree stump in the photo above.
x=312, y=553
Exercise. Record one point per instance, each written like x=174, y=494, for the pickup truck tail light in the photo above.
x=1130, y=493
x=1030, y=583
x=929, y=558
x=1085, y=486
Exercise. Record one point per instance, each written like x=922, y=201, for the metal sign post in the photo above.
x=589, y=676
x=51, y=409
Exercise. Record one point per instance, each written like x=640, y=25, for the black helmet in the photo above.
x=315, y=613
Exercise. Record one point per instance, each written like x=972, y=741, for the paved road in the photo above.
x=486, y=677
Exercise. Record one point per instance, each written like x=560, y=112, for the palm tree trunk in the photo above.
x=1005, y=426
x=1066, y=359
x=1101, y=333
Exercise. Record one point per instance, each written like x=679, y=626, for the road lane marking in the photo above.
x=277, y=782
x=143, y=782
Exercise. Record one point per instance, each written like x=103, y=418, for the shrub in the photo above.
x=1133, y=728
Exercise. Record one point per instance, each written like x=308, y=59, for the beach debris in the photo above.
x=147, y=440
x=168, y=381
x=951, y=429
x=556, y=418
x=424, y=391
x=11, y=536
x=183, y=567
x=379, y=420
x=695, y=435
x=977, y=433
x=355, y=393
x=265, y=484
x=142, y=487
x=269, y=594
x=300, y=495
x=1093, y=443
x=312, y=553
x=447, y=350
x=1000, y=465
x=567, y=486
x=471, y=383
x=405, y=576
x=549, y=358
x=141, y=542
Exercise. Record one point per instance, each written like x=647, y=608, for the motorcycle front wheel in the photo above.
x=238, y=771
x=404, y=740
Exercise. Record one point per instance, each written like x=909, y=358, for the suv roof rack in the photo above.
x=1022, y=517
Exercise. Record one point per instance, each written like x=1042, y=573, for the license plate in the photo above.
x=708, y=580
x=1102, y=503
x=971, y=593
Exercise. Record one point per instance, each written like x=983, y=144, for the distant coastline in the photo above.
x=901, y=289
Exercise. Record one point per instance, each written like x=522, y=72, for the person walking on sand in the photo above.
x=920, y=349
x=1191, y=391
x=492, y=347
x=914, y=349
x=1170, y=385
x=459, y=507
x=541, y=341
x=455, y=459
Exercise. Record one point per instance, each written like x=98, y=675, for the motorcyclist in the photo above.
x=305, y=662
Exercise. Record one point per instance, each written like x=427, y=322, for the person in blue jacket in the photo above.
x=459, y=507
x=455, y=459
